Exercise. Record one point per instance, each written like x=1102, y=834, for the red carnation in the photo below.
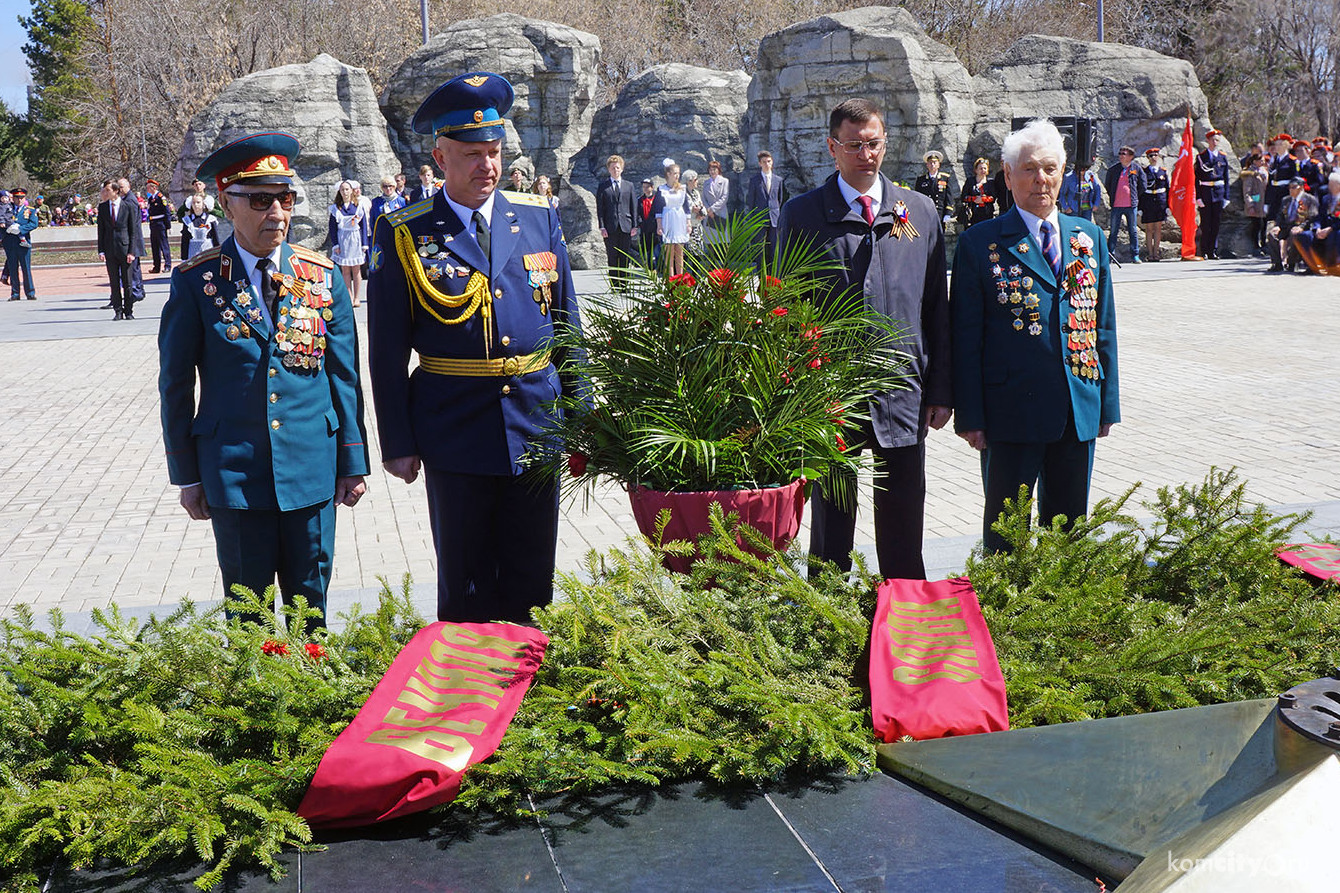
x=577, y=464
x=276, y=648
x=841, y=444
x=683, y=279
x=779, y=311
x=771, y=282
x=315, y=651
x=721, y=278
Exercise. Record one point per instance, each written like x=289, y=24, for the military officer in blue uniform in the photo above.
x=277, y=439
x=472, y=281
x=1211, y=193
x=1034, y=339
x=18, y=247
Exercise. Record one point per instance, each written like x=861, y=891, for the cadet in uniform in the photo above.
x=1211, y=193
x=18, y=249
x=277, y=440
x=160, y=220
x=1154, y=203
x=472, y=280
x=1282, y=170
x=934, y=184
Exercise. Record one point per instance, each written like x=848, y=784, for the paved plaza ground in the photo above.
x=1220, y=366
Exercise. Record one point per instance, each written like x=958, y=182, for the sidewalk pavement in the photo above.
x=1220, y=366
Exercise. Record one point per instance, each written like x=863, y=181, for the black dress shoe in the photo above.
x=32, y=297
x=14, y=298
x=119, y=316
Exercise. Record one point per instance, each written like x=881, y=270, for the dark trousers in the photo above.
x=162, y=251
x=646, y=248
x=496, y=537
x=1060, y=470
x=18, y=264
x=256, y=546
x=1210, y=215
x=900, y=511
x=119, y=275
x=618, y=252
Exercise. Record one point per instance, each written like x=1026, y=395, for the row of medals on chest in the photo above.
x=436, y=266
x=1082, y=336
x=300, y=331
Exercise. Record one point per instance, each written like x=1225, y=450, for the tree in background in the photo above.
x=49, y=136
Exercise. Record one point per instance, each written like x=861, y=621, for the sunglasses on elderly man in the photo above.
x=261, y=201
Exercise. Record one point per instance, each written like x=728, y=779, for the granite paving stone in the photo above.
x=89, y=516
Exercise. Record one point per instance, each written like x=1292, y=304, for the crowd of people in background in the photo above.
x=1288, y=186
x=1290, y=195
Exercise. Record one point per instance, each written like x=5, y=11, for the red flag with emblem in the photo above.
x=1182, y=191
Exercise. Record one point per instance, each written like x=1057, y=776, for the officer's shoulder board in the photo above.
x=313, y=257
x=527, y=198
x=409, y=212
x=207, y=255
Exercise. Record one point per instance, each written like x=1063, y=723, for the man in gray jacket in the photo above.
x=716, y=196
x=888, y=241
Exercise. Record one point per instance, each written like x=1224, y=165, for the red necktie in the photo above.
x=867, y=209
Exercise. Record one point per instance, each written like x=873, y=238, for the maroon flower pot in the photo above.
x=774, y=512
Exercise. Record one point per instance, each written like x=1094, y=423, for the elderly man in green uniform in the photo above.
x=277, y=440
x=1035, y=339
x=18, y=248
x=473, y=280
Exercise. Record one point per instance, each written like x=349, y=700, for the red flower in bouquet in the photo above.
x=276, y=648
x=683, y=280
x=841, y=444
x=721, y=279
x=314, y=651
x=779, y=311
x=577, y=464
x=769, y=284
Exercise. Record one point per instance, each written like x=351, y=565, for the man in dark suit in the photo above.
x=889, y=247
x=1296, y=213
x=478, y=299
x=267, y=331
x=766, y=193
x=427, y=188
x=1035, y=341
x=616, y=212
x=120, y=245
x=1211, y=193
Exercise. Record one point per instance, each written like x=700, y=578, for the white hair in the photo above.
x=1038, y=136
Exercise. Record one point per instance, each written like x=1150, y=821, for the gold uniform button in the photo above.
x=506, y=389
x=497, y=293
x=275, y=424
x=506, y=340
x=274, y=398
x=273, y=372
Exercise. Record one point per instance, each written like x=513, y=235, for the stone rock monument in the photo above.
x=553, y=70
x=879, y=52
x=329, y=106
x=1139, y=97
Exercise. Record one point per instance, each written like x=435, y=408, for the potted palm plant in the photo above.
x=729, y=383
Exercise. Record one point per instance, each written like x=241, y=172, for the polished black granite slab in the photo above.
x=877, y=834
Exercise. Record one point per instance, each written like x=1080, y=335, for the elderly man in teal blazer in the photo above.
x=1034, y=339
x=277, y=439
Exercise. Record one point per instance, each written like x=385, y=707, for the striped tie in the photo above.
x=1050, y=249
